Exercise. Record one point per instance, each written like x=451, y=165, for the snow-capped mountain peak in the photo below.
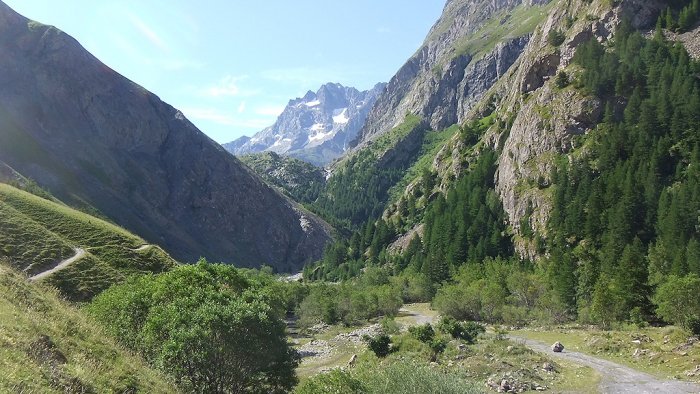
x=316, y=127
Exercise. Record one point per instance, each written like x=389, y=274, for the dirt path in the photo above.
x=142, y=248
x=416, y=314
x=79, y=254
x=615, y=378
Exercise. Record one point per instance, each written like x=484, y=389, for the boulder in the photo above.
x=557, y=347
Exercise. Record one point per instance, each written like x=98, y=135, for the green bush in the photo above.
x=693, y=323
x=555, y=37
x=389, y=325
x=562, y=79
x=424, y=333
x=333, y=382
x=437, y=345
x=467, y=331
x=380, y=344
x=677, y=300
x=207, y=326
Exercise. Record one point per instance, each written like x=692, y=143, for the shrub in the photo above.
x=389, y=325
x=206, y=325
x=424, y=333
x=555, y=37
x=693, y=323
x=466, y=331
x=473, y=329
x=678, y=300
x=380, y=344
x=437, y=345
x=335, y=381
x=562, y=79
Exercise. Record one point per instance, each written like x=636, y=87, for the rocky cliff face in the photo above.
x=93, y=137
x=317, y=127
x=470, y=47
x=469, y=68
x=546, y=119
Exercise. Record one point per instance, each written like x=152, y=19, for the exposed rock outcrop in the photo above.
x=546, y=118
x=449, y=73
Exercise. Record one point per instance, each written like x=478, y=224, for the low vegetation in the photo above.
x=393, y=377
x=428, y=360
x=36, y=234
x=48, y=346
x=667, y=352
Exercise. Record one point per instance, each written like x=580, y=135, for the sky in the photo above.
x=232, y=65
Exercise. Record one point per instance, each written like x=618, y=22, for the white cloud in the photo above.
x=148, y=33
x=228, y=87
x=241, y=108
x=383, y=30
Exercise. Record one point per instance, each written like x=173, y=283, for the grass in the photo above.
x=376, y=148
x=339, y=358
x=663, y=352
x=432, y=143
x=420, y=309
x=501, y=27
x=36, y=233
x=28, y=244
x=48, y=346
x=465, y=368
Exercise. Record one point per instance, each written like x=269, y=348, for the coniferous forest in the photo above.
x=623, y=231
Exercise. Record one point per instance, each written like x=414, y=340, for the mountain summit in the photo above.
x=317, y=127
x=96, y=139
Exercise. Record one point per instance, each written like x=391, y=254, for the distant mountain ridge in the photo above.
x=316, y=128
x=93, y=138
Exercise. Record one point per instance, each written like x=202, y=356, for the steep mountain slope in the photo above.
x=94, y=138
x=471, y=46
x=48, y=346
x=37, y=234
x=317, y=127
x=576, y=175
x=298, y=179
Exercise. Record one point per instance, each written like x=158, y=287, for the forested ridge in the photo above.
x=625, y=214
x=626, y=209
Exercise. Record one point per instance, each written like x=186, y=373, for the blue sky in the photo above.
x=232, y=65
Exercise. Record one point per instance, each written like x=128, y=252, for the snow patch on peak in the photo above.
x=340, y=116
x=313, y=103
x=320, y=136
x=318, y=127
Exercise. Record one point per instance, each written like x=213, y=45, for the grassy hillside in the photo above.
x=48, y=346
x=36, y=234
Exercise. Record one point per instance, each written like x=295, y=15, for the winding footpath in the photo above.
x=79, y=254
x=615, y=378
x=142, y=248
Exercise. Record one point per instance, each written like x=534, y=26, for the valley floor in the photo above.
x=615, y=378
x=576, y=372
